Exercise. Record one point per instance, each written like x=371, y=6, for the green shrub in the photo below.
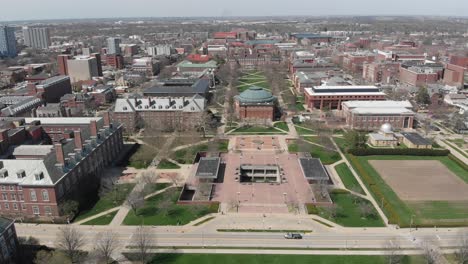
x=312, y=209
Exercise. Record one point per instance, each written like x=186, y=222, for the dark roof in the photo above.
x=416, y=139
x=199, y=87
x=4, y=224
x=313, y=169
x=208, y=167
x=309, y=35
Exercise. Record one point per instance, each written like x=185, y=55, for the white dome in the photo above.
x=386, y=128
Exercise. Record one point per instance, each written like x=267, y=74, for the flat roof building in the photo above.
x=331, y=97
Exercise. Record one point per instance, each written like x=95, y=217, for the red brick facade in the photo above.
x=254, y=112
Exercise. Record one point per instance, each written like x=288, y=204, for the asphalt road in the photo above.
x=347, y=238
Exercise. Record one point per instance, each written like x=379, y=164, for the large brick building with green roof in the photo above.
x=256, y=103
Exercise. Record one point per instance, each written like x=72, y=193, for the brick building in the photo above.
x=420, y=74
x=371, y=115
x=36, y=180
x=115, y=61
x=255, y=103
x=381, y=72
x=161, y=113
x=354, y=62
x=62, y=63
x=51, y=89
x=331, y=97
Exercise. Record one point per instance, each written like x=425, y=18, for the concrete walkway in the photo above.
x=452, y=150
x=361, y=183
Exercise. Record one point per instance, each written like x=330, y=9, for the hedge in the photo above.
x=405, y=152
x=392, y=215
x=312, y=209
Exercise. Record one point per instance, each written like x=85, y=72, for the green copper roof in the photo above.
x=255, y=94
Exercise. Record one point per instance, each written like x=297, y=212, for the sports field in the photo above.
x=427, y=191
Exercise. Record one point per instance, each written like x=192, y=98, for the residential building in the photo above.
x=115, y=61
x=146, y=66
x=161, y=113
x=51, y=89
x=82, y=68
x=8, y=241
x=62, y=63
x=331, y=97
x=36, y=37
x=381, y=72
x=371, y=115
x=19, y=105
x=7, y=42
x=160, y=50
x=113, y=46
x=36, y=180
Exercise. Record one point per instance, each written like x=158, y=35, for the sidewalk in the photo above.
x=361, y=183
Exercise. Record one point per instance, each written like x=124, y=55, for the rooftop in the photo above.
x=416, y=139
x=208, y=167
x=313, y=169
x=256, y=95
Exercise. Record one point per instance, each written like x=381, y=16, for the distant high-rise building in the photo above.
x=98, y=61
x=7, y=42
x=82, y=68
x=115, y=61
x=62, y=63
x=113, y=46
x=160, y=50
x=36, y=37
x=86, y=51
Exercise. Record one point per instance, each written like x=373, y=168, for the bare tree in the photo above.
x=71, y=241
x=393, y=256
x=430, y=253
x=175, y=178
x=143, y=241
x=106, y=245
x=366, y=210
x=165, y=206
x=234, y=204
x=462, y=252
x=136, y=199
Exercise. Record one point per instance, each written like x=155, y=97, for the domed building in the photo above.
x=255, y=103
x=384, y=138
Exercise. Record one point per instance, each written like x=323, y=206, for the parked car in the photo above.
x=293, y=236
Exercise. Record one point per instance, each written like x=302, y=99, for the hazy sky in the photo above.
x=56, y=9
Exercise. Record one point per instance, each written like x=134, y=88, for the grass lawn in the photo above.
x=304, y=131
x=300, y=106
x=426, y=213
x=187, y=155
x=325, y=155
x=282, y=126
x=154, y=187
x=256, y=129
x=165, y=165
x=163, y=210
x=274, y=259
x=143, y=157
x=348, y=213
x=252, y=79
x=110, y=200
x=102, y=220
x=348, y=178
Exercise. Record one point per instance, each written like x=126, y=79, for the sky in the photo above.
x=60, y=9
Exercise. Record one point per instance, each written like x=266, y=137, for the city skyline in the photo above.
x=54, y=9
